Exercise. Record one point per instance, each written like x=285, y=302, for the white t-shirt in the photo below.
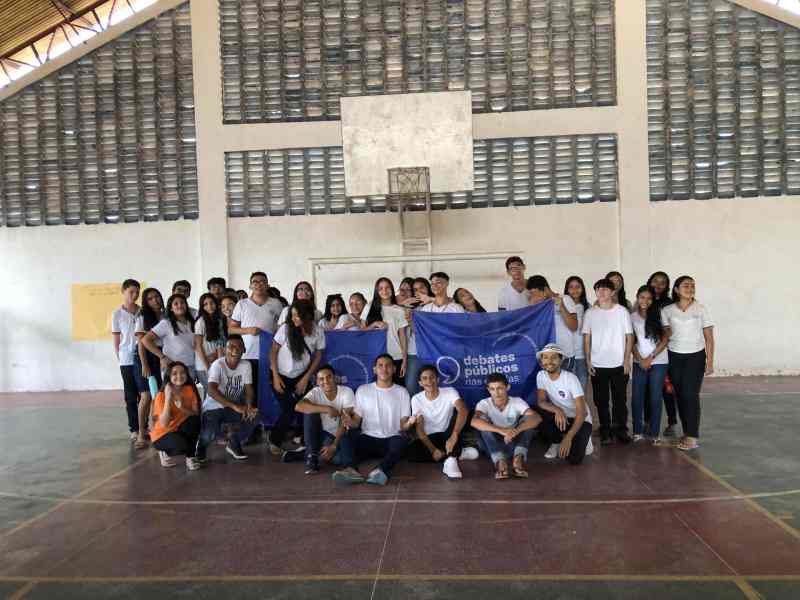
x=344, y=399
x=340, y=323
x=564, y=335
x=509, y=298
x=231, y=382
x=210, y=348
x=438, y=412
x=450, y=307
x=124, y=323
x=577, y=335
x=381, y=409
x=644, y=345
x=139, y=328
x=178, y=347
x=251, y=314
x=563, y=391
x=285, y=315
x=687, y=327
x=348, y=318
x=395, y=318
x=608, y=328
x=287, y=365
x=508, y=417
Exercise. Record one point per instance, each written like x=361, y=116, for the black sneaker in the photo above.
x=235, y=450
x=622, y=437
x=200, y=454
x=312, y=465
x=605, y=438
x=292, y=455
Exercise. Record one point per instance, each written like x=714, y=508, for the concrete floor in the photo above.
x=82, y=515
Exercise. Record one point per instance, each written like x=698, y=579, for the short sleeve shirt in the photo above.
x=562, y=392
x=381, y=409
x=249, y=313
x=344, y=399
x=123, y=322
x=209, y=347
x=189, y=401
x=687, y=327
x=438, y=412
x=287, y=365
x=608, y=328
x=509, y=416
x=510, y=299
x=177, y=347
x=231, y=382
x=564, y=335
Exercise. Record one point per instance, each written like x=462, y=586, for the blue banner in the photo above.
x=466, y=348
x=351, y=353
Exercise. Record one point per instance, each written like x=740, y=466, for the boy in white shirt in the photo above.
x=375, y=428
x=565, y=313
x=323, y=426
x=438, y=416
x=607, y=345
x=506, y=425
x=566, y=419
x=123, y=330
x=230, y=399
x=441, y=302
x=514, y=294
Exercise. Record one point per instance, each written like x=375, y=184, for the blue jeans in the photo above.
x=651, y=381
x=493, y=445
x=413, y=366
x=214, y=419
x=316, y=437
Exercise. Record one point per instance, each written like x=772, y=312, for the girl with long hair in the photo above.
x=649, y=367
x=335, y=313
x=294, y=357
x=465, y=298
x=658, y=283
x=302, y=291
x=690, y=330
x=385, y=313
x=176, y=417
x=145, y=363
x=176, y=333
x=575, y=289
x=209, y=337
x=619, y=289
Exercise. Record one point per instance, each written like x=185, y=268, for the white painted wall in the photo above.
x=38, y=267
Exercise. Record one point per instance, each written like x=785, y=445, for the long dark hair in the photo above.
x=424, y=282
x=375, y=313
x=677, y=284
x=582, y=298
x=621, y=299
x=329, y=304
x=653, y=328
x=310, y=287
x=150, y=318
x=294, y=334
x=660, y=300
x=171, y=315
x=409, y=281
x=213, y=322
x=189, y=380
x=478, y=307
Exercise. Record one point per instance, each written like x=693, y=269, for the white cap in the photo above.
x=549, y=348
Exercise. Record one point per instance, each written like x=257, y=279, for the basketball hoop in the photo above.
x=409, y=188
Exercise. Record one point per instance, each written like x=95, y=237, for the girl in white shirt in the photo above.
x=353, y=320
x=384, y=313
x=145, y=363
x=176, y=334
x=649, y=367
x=294, y=357
x=465, y=298
x=575, y=289
x=690, y=330
x=302, y=291
x=335, y=313
x=209, y=337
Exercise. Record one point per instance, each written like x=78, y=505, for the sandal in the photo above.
x=519, y=470
x=688, y=443
x=502, y=470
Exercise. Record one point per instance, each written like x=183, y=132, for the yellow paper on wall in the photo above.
x=92, y=305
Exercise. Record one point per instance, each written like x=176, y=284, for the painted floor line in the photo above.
x=736, y=496
x=403, y=577
x=750, y=499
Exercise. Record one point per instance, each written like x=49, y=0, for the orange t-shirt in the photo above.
x=177, y=416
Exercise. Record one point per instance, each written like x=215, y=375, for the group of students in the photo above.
x=664, y=342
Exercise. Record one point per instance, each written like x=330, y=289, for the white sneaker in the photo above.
x=589, y=447
x=451, y=468
x=192, y=464
x=469, y=453
x=552, y=451
x=637, y=437
x=166, y=460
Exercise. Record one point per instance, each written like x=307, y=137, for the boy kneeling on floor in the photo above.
x=566, y=419
x=506, y=425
